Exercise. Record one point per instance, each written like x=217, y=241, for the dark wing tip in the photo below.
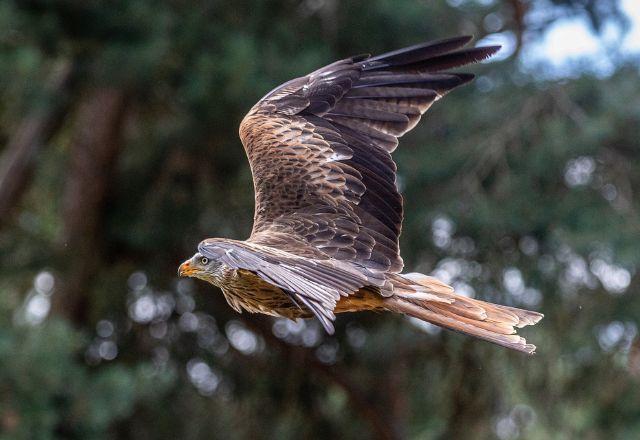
x=488, y=50
x=423, y=50
x=465, y=77
x=458, y=58
x=431, y=56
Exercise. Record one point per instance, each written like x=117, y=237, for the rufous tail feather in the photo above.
x=437, y=303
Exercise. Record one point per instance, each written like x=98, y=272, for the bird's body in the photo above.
x=328, y=213
x=246, y=291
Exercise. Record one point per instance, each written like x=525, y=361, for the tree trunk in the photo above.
x=93, y=153
x=396, y=392
x=471, y=413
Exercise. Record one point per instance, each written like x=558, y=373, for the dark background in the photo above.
x=119, y=153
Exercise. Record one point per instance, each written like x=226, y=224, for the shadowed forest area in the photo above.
x=119, y=152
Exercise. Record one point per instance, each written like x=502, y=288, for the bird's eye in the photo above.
x=204, y=261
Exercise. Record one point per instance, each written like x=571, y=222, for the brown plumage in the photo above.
x=328, y=212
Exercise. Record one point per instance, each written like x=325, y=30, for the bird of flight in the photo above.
x=328, y=213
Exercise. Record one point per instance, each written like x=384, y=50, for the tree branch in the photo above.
x=19, y=157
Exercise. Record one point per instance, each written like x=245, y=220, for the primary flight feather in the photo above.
x=328, y=213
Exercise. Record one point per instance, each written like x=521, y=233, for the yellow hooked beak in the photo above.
x=186, y=269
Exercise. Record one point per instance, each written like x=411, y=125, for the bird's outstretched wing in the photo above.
x=320, y=149
x=328, y=212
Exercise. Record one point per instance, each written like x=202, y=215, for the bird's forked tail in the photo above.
x=437, y=303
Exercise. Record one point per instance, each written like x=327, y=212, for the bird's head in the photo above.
x=203, y=267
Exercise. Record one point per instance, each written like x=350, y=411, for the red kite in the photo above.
x=328, y=213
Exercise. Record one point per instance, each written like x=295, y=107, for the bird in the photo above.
x=328, y=211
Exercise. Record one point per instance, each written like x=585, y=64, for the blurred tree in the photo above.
x=119, y=152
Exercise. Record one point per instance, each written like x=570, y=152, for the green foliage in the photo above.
x=48, y=391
